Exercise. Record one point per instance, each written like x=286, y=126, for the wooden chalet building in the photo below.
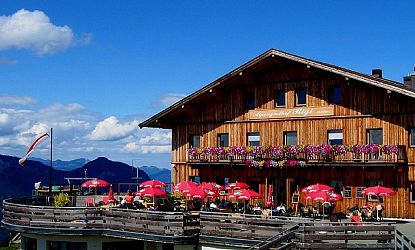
x=289, y=121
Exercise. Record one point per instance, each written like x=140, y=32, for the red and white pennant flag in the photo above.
x=32, y=147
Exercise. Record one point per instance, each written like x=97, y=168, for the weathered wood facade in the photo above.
x=364, y=102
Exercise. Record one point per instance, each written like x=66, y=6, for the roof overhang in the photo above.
x=273, y=53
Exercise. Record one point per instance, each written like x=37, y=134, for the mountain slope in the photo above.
x=17, y=181
x=156, y=173
x=63, y=165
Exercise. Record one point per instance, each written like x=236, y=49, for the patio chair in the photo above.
x=90, y=202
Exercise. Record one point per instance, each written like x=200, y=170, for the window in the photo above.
x=194, y=141
x=253, y=139
x=280, y=99
x=412, y=137
x=337, y=186
x=336, y=95
x=30, y=243
x=222, y=181
x=335, y=137
x=223, y=140
x=347, y=193
x=195, y=179
x=359, y=194
x=300, y=97
x=412, y=193
x=250, y=101
x=375, y=136
x=290, y=138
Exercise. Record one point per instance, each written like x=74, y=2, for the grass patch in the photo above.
x=11, y=247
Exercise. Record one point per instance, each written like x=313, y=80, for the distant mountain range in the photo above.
x=63, y=165
x=153, y=172
x=17, y=181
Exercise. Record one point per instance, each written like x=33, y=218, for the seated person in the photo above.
x=257, y=209
x=123, y=203
x=280, y=210
x=213, y=207
x=222, y=204
x=379, y=211
x=355, y=218
x=129, y=199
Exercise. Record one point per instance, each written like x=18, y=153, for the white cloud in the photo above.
x=4, y=118
x=4, y=140
x=10, y=100
x=156, y=142
x=79, y=133
x=110, y=129
x=33, y=30
x=169, y=99
x=156, y=138
x=145, y=149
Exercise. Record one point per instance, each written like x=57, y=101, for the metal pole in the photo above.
x=51, y=164
x=137, y=173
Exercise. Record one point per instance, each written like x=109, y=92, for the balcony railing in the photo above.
x=298, y=154
x=139, y=224
x=226, y=229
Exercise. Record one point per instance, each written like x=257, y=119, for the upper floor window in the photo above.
x=194, y=141
x=250, y=100
x=280, y=99
x=412, y=192
x=335, y=137
x=253, y=139
x=223, y=140
x=336, y=94
x=300, y=97
x=412, y=137
x=374, y=136
x=290, y=138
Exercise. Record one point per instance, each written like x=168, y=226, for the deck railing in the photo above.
x=203, y=227
x=128, y=220
x=340, y=235
x=274, y=155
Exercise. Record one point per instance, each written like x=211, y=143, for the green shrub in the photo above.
x=61, y=200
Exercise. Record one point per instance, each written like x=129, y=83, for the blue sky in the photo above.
x=93, y=70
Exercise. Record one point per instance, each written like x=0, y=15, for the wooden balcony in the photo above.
x=301, y=157
x=238, y=231
x=167, y=227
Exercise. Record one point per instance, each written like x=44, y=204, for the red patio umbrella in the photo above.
x=95, y=183
x=270, y=197
x=185, y=186
x=323, y=196
x=378, y=191
x=111, y=195
x=201, y=193
x=153, y=183
x=237, y=185
x=317, y=187
x=245, y=194
x=211, y=186
x=150, y=192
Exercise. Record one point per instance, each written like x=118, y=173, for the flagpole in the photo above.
x=51, y=160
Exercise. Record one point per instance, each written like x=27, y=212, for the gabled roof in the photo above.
x=390, y=85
